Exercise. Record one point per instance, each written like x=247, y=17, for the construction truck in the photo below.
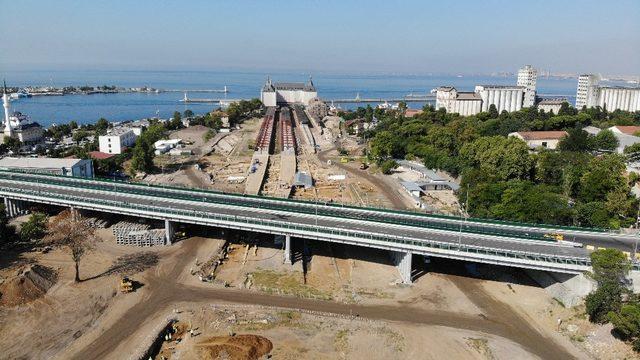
x=126, y=285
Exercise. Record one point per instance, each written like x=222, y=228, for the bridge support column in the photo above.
x=403, y=262
x=287, y=249
x=75, y=214
x=169, y=232
x=7, y=209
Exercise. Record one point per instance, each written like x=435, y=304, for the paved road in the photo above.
x=370, y=227
x=498, y=318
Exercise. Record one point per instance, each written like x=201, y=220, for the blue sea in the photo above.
x=131, y=106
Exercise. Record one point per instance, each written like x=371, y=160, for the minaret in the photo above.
x=5, y=102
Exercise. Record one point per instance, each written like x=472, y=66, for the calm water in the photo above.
x=130, y=106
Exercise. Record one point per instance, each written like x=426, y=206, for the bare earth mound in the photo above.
x=237, y=347
x=29, y=284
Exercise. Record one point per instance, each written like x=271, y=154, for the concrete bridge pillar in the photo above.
x=403, y=262
x=287, y=249
x=169, y=232
x=75, y=214
x=14, y=208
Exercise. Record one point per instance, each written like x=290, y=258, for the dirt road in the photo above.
x=163, y=291
x=387, y=191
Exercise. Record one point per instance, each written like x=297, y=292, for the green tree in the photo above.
x=101, y=127
x=632, y=149
x=604, y=175
x=34, y=228
x=526, y=202
x=605, y=140
x=142, y=159
x=12, y=143
x=577, y=140
x=626, y=323
x=188, y=113
x=493, y=111
x=506, y=157
x=73, y=124
x=387, y=166
x=610, y=268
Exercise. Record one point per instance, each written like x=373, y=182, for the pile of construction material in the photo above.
x=137, y=234
x=97, y=222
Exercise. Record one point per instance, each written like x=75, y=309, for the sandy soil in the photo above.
x=451, y=311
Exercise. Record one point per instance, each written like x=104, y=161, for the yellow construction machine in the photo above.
x=126, y=285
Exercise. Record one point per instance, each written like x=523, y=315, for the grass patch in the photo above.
x=341, y=341
x=273, y=282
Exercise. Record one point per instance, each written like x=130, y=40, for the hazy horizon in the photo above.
x=330, y=37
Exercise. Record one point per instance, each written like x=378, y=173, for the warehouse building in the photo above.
x=53, y=166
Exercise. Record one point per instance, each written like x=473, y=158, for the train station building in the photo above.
x=273, y=94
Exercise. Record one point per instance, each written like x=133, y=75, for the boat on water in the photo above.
x=18, y=95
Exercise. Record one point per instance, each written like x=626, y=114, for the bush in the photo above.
x=387, y=166
x=34, y=228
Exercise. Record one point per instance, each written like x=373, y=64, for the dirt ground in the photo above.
x=335, y=301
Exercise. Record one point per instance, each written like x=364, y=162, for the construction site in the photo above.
x=228, y=294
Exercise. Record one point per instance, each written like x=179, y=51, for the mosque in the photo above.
x=18, y=125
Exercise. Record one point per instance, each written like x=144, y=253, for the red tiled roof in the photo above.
x=412, y=112
x=542, y=135
x=629, y=130
x=99, y=155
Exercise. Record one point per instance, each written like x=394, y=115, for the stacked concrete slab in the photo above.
x=136, y=234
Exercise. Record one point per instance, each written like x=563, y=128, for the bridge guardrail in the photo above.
x=276, y=204
x=337, y=206
x=287, y=226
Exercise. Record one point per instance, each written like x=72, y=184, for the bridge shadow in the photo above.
x=478, y=271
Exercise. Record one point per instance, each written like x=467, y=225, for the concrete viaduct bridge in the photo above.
x=401, y=232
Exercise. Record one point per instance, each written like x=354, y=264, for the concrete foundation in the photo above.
x=403, y=262
x=567, y=288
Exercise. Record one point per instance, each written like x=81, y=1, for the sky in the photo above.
x=334, y=36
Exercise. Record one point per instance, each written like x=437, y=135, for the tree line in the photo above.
x=580, y=183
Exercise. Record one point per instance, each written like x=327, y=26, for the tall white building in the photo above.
x=587, y=94
x=528, y=77
x=591, y=94
x=504, y=97
x=273, y=94
x=117, y=140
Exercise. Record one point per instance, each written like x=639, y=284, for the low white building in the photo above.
x=536, y=139
x=454, y=101
x=549, y=105
x=626, y=136
x=163, y=146
x=54, y=166
x=117, y=140
x=273, y=94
